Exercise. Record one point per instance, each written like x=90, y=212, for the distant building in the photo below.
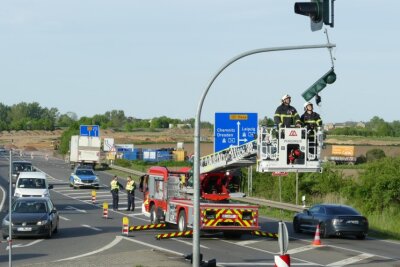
x=331, y=126
x=179, y=125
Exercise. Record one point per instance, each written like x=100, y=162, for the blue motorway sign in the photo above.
x=89, y=130
x=234, y=129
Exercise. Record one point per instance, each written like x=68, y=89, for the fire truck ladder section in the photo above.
x=289, y=150
x=232, y=157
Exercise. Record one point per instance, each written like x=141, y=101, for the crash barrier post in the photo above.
x=125, y=226
x=147, y=227
x=93, y=196
x=105, y=210
x=264, y=234
x=317, y=238
x=282, y=260
x=175, y=234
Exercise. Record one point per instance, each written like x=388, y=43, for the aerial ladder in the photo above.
x=274, y=150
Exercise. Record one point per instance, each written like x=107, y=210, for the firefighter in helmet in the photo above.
x=285, y=114
x=310, y=119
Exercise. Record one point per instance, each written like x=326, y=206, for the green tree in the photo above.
x=374, y=154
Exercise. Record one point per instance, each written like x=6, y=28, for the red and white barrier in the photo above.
x=282, y=260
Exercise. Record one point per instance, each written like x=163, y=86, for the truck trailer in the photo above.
x=84, y=150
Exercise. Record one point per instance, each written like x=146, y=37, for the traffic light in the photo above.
x=328, y=78
x=319, y=11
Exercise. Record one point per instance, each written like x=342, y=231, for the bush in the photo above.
x=375, y=154
x=123, y=163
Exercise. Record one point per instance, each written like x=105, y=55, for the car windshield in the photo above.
x=341, y=211
x=84, y=172
x=29, y=207
x=31, y=183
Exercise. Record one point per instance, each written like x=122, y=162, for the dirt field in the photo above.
x=44, y=140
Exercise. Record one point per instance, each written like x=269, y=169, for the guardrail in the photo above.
x=127, y=170
x=270, y=203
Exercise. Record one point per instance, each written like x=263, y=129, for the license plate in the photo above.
x=353, y=222
x=24, y=229
x=228, y=216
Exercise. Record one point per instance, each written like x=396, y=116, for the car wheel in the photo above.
x=361, y=236
x=153, y=215
x=322, y=230
x=56, y=229
x=182, y=224
x=50, y=233
x=296, y=226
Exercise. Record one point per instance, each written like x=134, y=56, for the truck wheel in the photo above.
x=182, y=224
x=153, y=215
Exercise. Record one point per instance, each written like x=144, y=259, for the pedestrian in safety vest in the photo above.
x=130, y=191
x=115, y=187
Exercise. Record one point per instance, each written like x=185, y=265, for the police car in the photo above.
x=83, y=177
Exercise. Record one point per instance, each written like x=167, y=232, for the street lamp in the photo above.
x=196, y=172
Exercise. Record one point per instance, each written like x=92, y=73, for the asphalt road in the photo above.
x=85, y=237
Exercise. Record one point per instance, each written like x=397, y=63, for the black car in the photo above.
x=338, y=220
x=32, y=216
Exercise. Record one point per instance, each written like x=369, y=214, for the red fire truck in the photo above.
x=169, y=198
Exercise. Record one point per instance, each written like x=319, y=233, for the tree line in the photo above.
x=31, y=116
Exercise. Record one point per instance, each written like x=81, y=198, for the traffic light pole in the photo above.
x=196, y=173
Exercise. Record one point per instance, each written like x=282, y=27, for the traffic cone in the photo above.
x=125, y=226
x=317, y=239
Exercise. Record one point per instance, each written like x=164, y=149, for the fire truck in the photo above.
x=169, y=198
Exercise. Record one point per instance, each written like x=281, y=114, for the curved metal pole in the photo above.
x=196, y=171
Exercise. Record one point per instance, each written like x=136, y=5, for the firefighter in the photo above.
x=115, y=187
x=310, y=119
x=286, y=115
x=130, y=191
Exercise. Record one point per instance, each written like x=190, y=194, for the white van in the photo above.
x=32, y=184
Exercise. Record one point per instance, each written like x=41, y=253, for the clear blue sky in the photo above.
x=155, y=58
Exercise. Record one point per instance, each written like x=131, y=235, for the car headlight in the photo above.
x=77, y=179
x=16, y=194
x=47, y=194
x=337, y=221
x=44, y=222
x=96, y=179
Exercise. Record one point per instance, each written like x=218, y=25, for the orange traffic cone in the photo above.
x=317, y=239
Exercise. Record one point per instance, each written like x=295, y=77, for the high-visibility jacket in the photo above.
x=286, y=116
x=114, y=185
x=130, y=186
x=311, y=120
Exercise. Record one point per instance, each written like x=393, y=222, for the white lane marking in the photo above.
x=247, y=242
x=351, y=260
x=152, y=246
x=47, y=174
x=259, y=264
x=26, y=245
x=64, y=218
x=91, y=227
x=73, y=208
x=108, y=246
x=270, y=252
x=4, y=198
x=188, y=243
x=300, y=249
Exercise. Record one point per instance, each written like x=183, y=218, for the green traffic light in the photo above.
x=319, y=85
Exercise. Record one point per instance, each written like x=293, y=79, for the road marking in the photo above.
x=26, y=245
x=64, y=218
x=108, y=246
x=260, y=264
x=247, y=242
x=152, y=246
x=189, y=243
x=4, y=198
x=73, y=208
x=351, y=260
x=91, y=227
x=300, y=249
x=270, y=252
